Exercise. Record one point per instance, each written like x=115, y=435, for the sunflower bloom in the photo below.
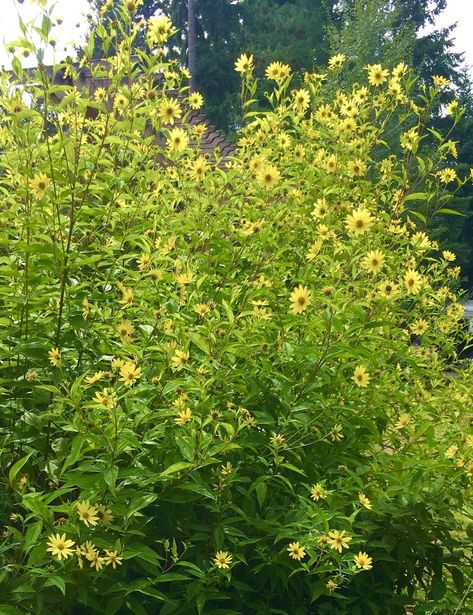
x=87, y=513
x=301, y=100
x=359, y=222
x=268, y=176
x=338, y=540
x=177, y=140
x=364, y=501
x=376, y=74
x=244, y=64
x=169, y=110
x=317, y=492
x=337, y=61
x=300, y=299
x=59, y=546
x=129, y=373
x=373, y=262
x=125, y=330
x=39, y=185
x=363, y=561
x=54, y=356
x=419, y=326
x=111, y=558
x=412, y=281
x=222, y=559
x=361, y=377
x=195, y=100
x=179, y=359
x=296, y=551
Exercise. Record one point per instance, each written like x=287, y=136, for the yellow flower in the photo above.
x=127, y=297
x=244, y=64
x=447, y=175
x=54, y=356
x=361, y=377
x=88, y=550
x=277, y=71
x=277, y=439
x=331, y=164
x=97, y=562
x=360, y=221
x=87, y=513
x=169, y=110
x=331, y=586
x=125, y=330
x=85, y=307
x=39, y=185
x=198, y=168
x=449, y=256
x=337, y=433
x=388, y=289
x=452, y=107
x=337, y=61
x=451, y=451
x=419, y=326
x=317, y=492
x=365, y=501
x=300, y=299
x=129, y=373
x=95, y=377
x=268, y=176
x=159, y=29
x=296, y=551
x=105, y=515
x=177, y=140
x=179, y=359
x=412, y=281
x=100, y=94
x=363, y=561
x=440, y=81
x=183, y=416
x=144, y=261
x=356, y=168
x=222, y=559
x=314, y=250
x=301, y=100
x=117, y=363
x=338, y=540
x=195, y=100
x=403, y=421
x=202, y=309
x=59, y=546
x=320, y=208
x=373, y=262
x=376, y=74
x=112, y=558
x=106, y=397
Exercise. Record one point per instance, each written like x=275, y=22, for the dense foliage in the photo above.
x=228, y=386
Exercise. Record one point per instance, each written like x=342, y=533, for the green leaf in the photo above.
x=55, y=580
x=446, y=210
x=199, y=341
x=419, y=215
x=110, y=478
x=176, y=467
x=417, y=196
x=17, y=467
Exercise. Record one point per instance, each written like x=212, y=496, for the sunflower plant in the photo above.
x=228, y=385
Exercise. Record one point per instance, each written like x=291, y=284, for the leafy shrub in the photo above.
x=228, y=386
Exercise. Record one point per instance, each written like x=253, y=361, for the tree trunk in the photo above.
x=191, y=43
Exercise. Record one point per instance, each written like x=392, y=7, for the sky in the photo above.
x=72, y=12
